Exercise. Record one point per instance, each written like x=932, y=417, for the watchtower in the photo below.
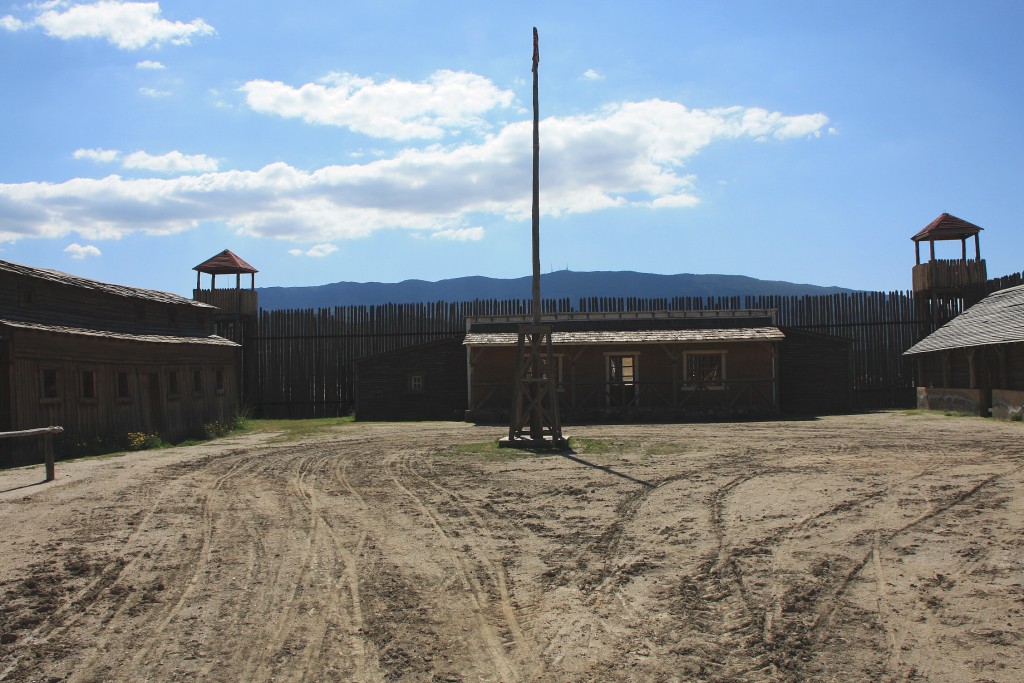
x=237, y=306
x=945, y=287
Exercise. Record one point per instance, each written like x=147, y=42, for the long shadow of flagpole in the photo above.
x=609, y=470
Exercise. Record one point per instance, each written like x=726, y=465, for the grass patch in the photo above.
x=490, y=451
x=294, y=430
x=675, y=448
x=596, y=446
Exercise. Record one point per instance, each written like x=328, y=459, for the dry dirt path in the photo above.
x=880, y=547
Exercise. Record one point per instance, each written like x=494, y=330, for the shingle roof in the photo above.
x=947, y=227
x=97, y=286
x=212, y=340
x=226, y=262
x=996, y=319
x=633, y=336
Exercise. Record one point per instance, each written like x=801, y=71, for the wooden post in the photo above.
x=47, y=434
x=534, y=381
x=48, y=456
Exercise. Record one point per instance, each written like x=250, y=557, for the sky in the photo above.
x=385, y=140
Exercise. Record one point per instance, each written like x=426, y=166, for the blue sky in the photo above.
x=383, y=140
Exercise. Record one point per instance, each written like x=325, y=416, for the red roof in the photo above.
x=225, y=262
x=947, y=227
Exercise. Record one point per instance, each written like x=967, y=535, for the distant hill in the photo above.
x=558, y=285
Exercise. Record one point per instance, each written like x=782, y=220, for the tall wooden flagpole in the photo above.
x=536, y=182
x=533, y=420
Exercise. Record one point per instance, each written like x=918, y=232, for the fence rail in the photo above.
x=300, y=363
x=47, y=434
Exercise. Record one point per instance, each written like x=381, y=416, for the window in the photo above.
x=705, y=370
x=197, y=381
x=172, y=383
x=621, y=369
x=88, y=384
x=415, y=382
x=49, y=378
x=218, y=380
x=124, y=389
x=621, y=376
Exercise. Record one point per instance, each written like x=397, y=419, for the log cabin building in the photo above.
x=422, y=382
x=636, y=365
x=974, y=364
x=102, y=360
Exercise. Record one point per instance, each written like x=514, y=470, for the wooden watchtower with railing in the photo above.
x=945, y=287
x=237, y=307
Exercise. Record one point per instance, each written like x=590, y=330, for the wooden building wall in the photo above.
x=660, y=389
x=63, y=327
x=387, y=388
x=952, y=369
x=814, y=373
x=299, y=363
x=148, y=406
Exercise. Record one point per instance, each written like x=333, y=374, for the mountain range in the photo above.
x=555, y=285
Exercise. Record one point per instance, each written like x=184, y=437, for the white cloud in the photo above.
x=399, y=110
x=150, y=64
x=460, y=234
x=127, y=25
x=316, y=251
x=80, y=252
x=172, y=162
x=153, y=92
x=628, y=154
x=10, y=23
x=591, y=75
x=104, y=156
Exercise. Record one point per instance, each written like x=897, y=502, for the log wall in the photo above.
x=300, y=363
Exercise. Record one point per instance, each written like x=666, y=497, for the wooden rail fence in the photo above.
x=300, y=363
x=47, y=434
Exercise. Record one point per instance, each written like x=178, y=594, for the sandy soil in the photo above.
x=876, y=547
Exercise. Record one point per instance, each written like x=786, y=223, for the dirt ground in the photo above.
x=876, y=547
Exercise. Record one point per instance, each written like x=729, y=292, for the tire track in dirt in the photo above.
x=153, y=648
x=468, y=568
x=806, y=629
x=737, y=651
x=131, y=554
x=339, y=604
x=482, y=546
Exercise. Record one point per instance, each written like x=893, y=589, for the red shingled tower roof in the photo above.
x=947, y=227
x=224, y=263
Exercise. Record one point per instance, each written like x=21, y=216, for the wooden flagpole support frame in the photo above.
x=534, y=420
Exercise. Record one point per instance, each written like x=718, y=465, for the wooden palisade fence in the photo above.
x=300, y=363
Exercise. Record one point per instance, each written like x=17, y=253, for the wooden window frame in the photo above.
x=219, y=382
x=417, y=382
x=633, y=382
x=92, y=395
x=123, y=392
x=718, y=385
x=173, y=388
x=197, y=381
x=45, y=385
